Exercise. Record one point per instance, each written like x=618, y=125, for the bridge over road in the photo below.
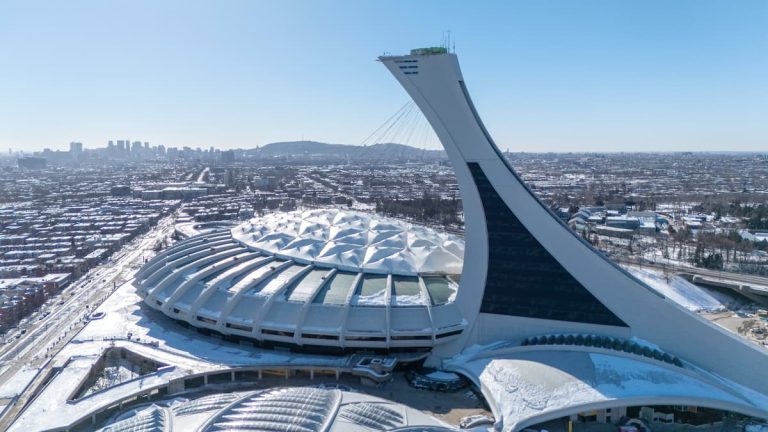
x=752, y=287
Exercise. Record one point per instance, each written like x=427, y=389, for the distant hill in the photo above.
x=388, y=151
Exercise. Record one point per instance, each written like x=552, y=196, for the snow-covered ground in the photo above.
x=688, y=295
x=112, y=376
x=18, y=383
x=153, y=336
x=125, y=313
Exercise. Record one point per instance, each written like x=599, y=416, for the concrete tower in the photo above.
x=525, y=272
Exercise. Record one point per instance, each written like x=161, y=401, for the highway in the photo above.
x=758, y=284
x=60, y=319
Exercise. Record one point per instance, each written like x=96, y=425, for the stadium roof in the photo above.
x=354, y=241
x=296, y=409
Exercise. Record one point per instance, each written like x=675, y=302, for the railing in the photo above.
x=605, y=342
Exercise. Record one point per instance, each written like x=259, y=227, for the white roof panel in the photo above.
x=353, y=241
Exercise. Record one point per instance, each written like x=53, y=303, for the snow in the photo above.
x=112, y=376
x=525, y=385
x=688, y=295
x=624, y=377
x=153, y=336
x=353, y=240
x=174, y=345
x=442, y=376
x=17, y=383
x=409, y=300
x=189, y=229
x=376, y=299
x=51, y=408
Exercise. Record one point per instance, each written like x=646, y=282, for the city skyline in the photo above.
x=591, y=77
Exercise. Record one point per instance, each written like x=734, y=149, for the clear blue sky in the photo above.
x=545, y=75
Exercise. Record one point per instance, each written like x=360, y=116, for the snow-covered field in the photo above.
x=688, y=295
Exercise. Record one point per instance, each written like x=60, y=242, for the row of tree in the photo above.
x=755, y=215
x=429, y=209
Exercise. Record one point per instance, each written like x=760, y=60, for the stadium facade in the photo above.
x=320, y=279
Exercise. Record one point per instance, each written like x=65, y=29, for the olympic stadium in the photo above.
x=320, y=278
x=537, y=322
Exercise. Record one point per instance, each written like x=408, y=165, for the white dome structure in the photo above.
x=354, y=241
x=327, y=278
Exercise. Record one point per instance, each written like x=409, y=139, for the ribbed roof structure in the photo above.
x=354, y=241
x=303, y=409
x=152, y=419
x=320, y=277
x=288, y=409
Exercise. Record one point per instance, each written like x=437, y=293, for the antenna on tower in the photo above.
x=447, y=40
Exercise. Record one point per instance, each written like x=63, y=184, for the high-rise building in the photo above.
x=229, y=178
x=75, y=149
x=136, y=149
x=228, y=156
x=31, y=162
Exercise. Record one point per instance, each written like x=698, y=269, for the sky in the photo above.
x=545, y=75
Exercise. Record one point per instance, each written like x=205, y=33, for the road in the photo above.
x=752, y=280
x=759, y=284
x=45, y=336
x=204, y=174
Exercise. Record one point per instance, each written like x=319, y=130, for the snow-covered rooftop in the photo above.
x=304, y=409
x=354, y=241
x=526, y=386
